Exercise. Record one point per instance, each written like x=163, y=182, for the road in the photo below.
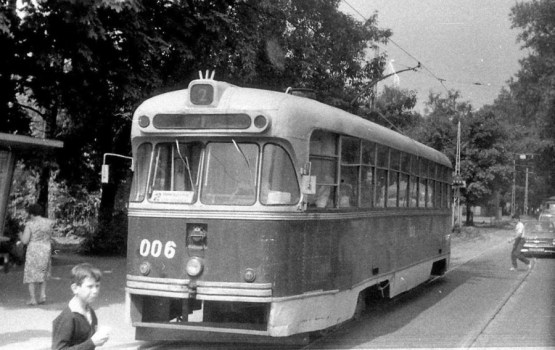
x=478, y=303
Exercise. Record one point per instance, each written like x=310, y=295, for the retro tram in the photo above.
x=262, y=214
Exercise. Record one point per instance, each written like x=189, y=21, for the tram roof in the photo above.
x=291, y=116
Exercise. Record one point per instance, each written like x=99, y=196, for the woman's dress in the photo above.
x=38, y=257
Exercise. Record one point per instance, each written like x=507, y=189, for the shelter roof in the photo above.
x=27, y=143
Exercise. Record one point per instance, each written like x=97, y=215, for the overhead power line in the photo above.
x=440, y=80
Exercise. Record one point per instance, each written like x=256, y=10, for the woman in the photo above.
x=37, y=235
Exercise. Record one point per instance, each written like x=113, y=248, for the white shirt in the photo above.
x=519, y=229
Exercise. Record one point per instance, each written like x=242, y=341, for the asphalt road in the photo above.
x=479, y=303
x=528, y=317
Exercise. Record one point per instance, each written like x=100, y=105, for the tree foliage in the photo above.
x=527, y=107
x=394, y=108
x=83, y=66
x=485, y=165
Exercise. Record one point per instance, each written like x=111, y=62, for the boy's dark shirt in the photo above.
x=72, y=331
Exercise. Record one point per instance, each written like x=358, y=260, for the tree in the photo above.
x=532, y=87
x=14, y=118
x=85, y=65
x=486, y=165
x=393, y=108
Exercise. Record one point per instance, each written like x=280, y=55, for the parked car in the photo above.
x=547, y=215
x=539, y=238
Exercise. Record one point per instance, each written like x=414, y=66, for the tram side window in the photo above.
x=140, y=175
x=430, y=191
x=440, y=191
x=381, y=175
x=324, y=160
x=445, y=179
x=230, y=174
x=411, y=166
x=404, y=180
x=404, y=185
x=448, y=181
x=279, y=182
x=175, y=171
x=367, y=187
x=367, y=174
x=393, y=189
x=350, y=168
x=422, y=198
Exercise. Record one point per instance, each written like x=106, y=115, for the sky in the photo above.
x=464, y=42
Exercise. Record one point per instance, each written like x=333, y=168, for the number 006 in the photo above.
x=155, y=248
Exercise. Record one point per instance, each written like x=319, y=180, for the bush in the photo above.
x=110, y=238
x=76, y=212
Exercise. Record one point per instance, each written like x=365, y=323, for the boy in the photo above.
x=76, y=326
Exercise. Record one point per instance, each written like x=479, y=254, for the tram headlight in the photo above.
x=260, y=121
x=249, y=275
x=194, y=267
x=145, y=268
x=144, y=121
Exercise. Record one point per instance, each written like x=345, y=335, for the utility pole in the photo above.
x=524, y=157
x=458, y=182
x=526, y=194
x=513, y=194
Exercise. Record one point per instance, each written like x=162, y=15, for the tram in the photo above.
x=262, y=214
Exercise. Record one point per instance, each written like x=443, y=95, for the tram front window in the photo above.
x=279, y=181
x=175, y=169
x=230, y=174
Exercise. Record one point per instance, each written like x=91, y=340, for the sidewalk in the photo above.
x=25, y=327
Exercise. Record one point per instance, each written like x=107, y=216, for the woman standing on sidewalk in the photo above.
x=518, y=244
x=38, y=235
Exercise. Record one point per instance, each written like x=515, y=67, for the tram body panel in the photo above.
x=295, y=256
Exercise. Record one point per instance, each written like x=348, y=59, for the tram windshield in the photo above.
x=215, y=173
x=230, y=174
x=174, y=172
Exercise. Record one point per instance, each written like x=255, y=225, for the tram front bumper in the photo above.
x=201, y=290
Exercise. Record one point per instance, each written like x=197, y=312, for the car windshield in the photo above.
x=539, y=229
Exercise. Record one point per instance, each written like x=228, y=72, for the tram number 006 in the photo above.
x=156, y=248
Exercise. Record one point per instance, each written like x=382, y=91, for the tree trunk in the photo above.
x=497, y=200
x=50, y=127
x=44, y=179
x=469, y=216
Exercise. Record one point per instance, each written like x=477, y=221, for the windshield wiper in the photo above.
x=186, y=163
x=244, y=157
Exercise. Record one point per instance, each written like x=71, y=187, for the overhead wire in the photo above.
x=442, y=81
